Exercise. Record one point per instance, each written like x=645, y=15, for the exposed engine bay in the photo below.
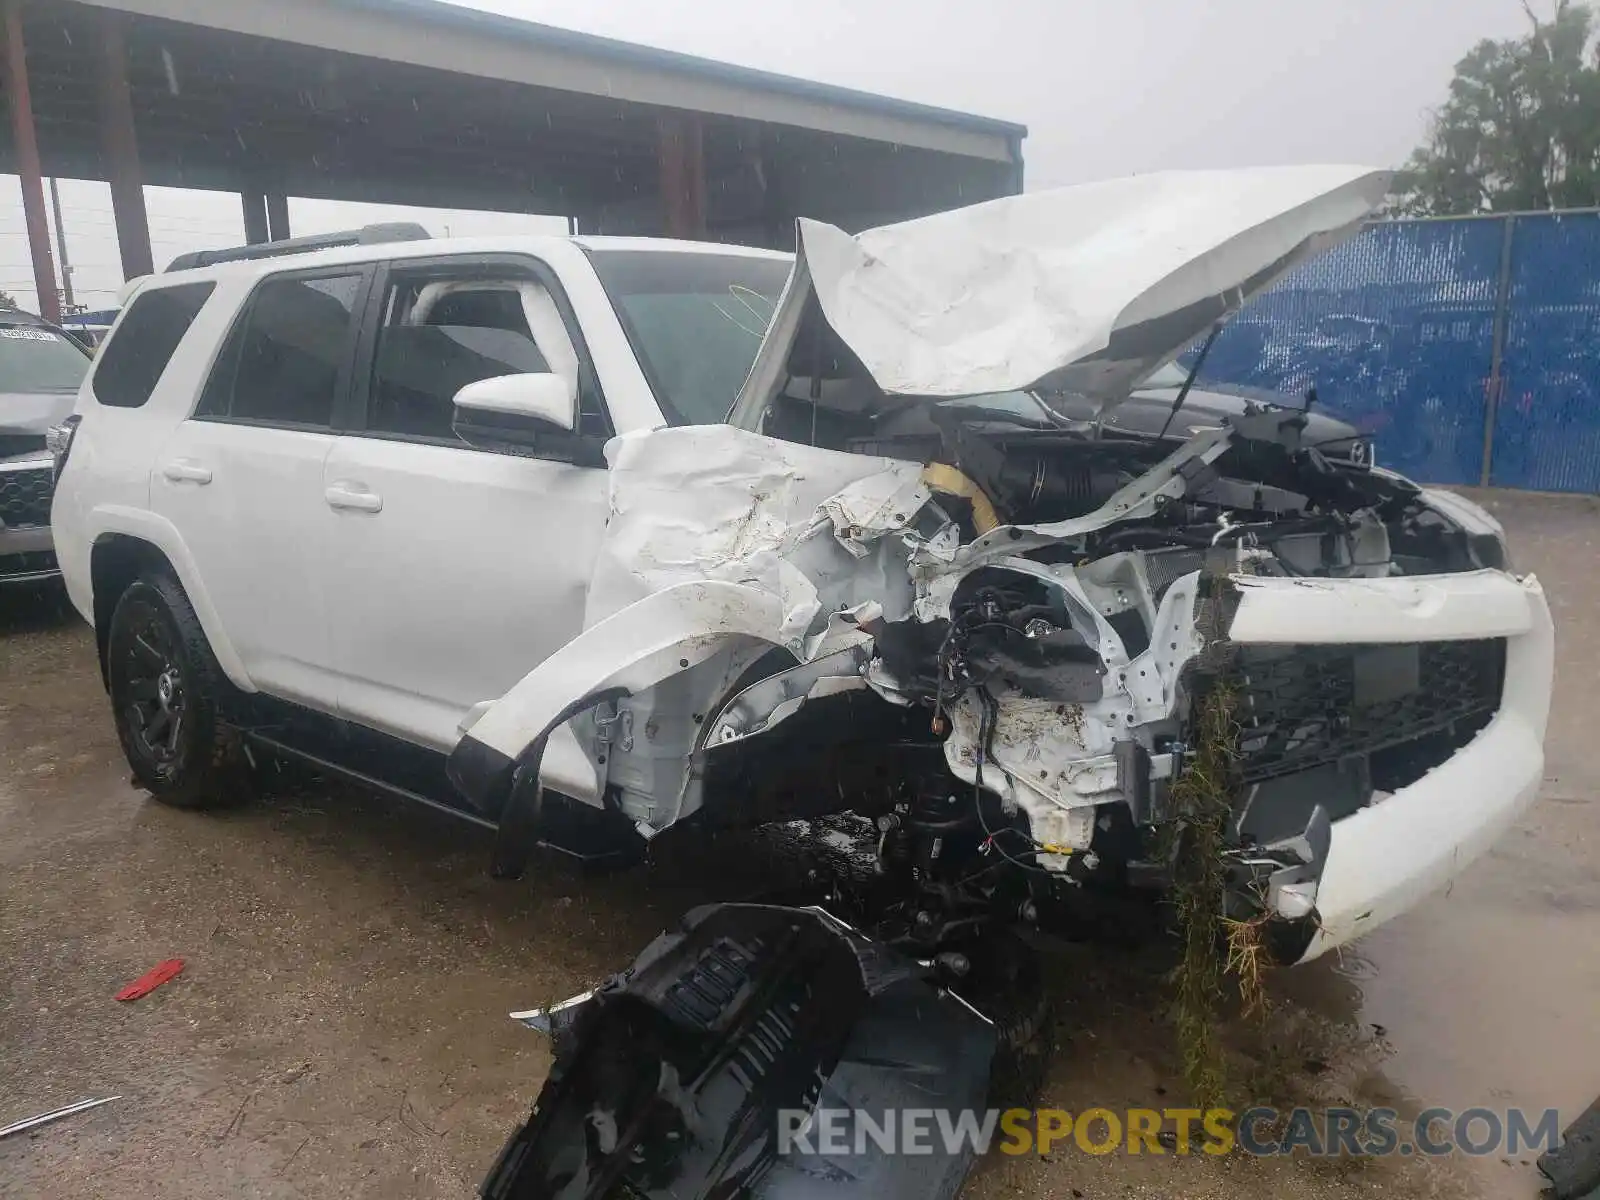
x=1007, y=706
x=1046, y=696
x=986, y=628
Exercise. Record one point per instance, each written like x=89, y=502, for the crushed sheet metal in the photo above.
x=1472, y=604
x=773, y=700
x=45, y=1118
x=869, y=508
x=717, y=503
x=1089, y=287
x=635, y=648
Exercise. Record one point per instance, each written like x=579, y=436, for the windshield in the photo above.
x=694, y=320
x=34, y=358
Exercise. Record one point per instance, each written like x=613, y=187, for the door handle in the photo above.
x=345, y=494
x=185, y=470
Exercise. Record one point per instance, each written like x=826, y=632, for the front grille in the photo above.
x=1306, y=706
x=25, y=496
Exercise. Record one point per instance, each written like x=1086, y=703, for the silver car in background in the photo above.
x=40, y=370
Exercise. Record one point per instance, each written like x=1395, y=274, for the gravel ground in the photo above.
x=340, y=1027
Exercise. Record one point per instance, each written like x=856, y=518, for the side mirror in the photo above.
x=531, y=414
x=515, y=408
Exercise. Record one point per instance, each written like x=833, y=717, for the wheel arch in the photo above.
x=130, y=544
x=636, y=648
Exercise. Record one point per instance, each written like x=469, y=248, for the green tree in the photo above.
x=6, y=301
x=1520, y=128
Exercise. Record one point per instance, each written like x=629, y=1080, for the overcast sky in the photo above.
x=1106, y=87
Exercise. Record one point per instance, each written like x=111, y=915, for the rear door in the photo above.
x=242, y=479
x=455, y=570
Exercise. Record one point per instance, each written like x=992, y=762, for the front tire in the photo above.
x=166, y=692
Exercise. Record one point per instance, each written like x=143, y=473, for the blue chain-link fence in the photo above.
x=1469, y=348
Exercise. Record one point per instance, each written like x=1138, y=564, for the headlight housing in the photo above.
x=58, y=440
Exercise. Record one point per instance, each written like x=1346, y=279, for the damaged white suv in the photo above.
x=465, y=520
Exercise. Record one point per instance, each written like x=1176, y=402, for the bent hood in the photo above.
x=1086, y=288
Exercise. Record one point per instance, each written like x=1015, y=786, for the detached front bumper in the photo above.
x=1385, y=858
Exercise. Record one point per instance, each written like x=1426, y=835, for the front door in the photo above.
x=456, y=570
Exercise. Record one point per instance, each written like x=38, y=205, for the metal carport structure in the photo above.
x=423, y=102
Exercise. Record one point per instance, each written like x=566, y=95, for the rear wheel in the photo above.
x=166, y=691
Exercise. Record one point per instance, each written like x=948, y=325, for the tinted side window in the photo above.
x=438, y=336
x=132, y=361
x=291, y=349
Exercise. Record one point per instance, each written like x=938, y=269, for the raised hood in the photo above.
x=1086, y=288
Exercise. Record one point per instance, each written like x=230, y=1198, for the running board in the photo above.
x=592, y=836
x=352, y=775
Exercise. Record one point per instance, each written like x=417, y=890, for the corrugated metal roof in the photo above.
x=706, y=68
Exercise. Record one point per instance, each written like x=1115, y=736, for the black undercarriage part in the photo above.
x=694, y=1073
x=1573, y=1169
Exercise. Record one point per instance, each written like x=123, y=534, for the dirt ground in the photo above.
x=340, y=1028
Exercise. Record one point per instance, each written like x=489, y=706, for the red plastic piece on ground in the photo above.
x=152, y=979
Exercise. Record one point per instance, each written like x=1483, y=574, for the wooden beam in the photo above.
x=255, y=217
x=27, y=144
x=122, y=151
x=681, y=157
x=277, y=217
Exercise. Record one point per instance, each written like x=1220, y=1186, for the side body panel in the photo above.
x=248, y=502
x=105, y=487
x=475, y=567
x=462, y=568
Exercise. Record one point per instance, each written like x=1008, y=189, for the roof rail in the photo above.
x=390, y=231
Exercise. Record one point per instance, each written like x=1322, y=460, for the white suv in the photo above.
x=268, y=512
x=586, y=539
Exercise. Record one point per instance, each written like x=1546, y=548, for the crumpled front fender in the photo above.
x=635, y=648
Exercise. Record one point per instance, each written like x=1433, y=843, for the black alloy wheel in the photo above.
x=167, y=694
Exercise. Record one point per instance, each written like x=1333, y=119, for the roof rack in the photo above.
x=389, y=231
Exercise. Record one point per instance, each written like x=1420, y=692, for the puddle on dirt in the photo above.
x=1481, y=998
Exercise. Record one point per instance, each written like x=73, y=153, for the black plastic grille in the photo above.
x=705, y=991
x=1306, y=706
x=25, y=496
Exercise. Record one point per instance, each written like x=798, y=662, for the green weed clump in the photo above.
x=1202, y=798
